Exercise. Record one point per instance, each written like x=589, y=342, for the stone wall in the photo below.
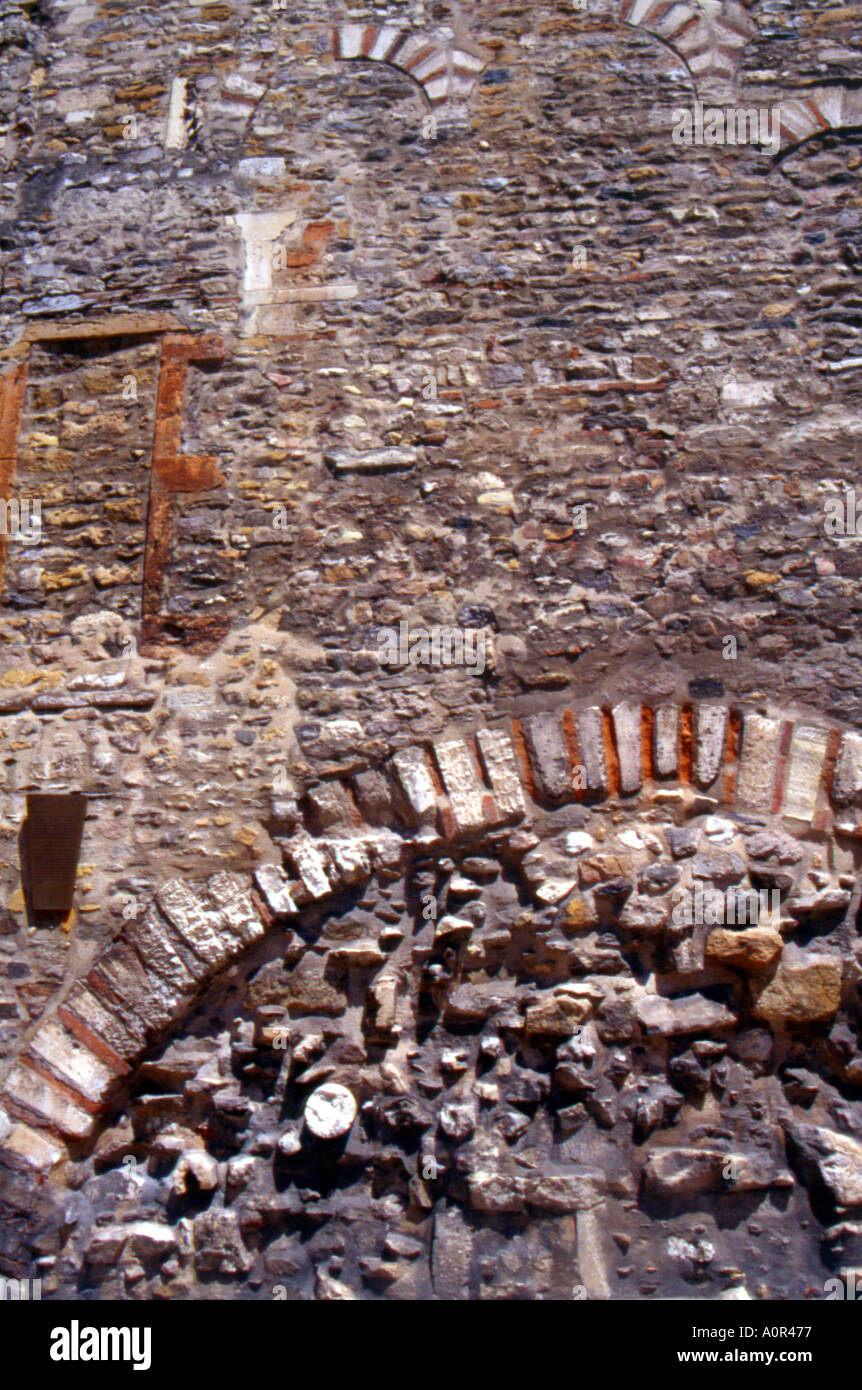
x=324, y=328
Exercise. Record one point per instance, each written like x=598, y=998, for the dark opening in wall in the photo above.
x=50, y=846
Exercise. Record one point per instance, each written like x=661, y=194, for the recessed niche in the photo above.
x=50, y=847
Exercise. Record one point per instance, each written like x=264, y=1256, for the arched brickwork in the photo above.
x=445, y=75
x=825, y=109
x=790, y=780
x=710, y=44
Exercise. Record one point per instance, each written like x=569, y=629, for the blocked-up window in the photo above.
x=92, y=470
x=84, y=460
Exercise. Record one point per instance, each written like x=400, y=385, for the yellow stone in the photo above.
x=804, y=989
x=760, y=579
x=20, y=675
x=753, y=950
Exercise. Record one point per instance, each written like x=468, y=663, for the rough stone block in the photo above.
x=274, y=887
x=806, y=988
x=692, y=1013
x=373, y=797
x=308, y=864
x=330, y=805
x=414, y=778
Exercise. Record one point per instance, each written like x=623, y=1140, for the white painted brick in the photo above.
x=386, y=38
x=234, y=907
x=194, y=924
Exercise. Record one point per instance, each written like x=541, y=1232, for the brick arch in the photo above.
x=709, y=45
x=491, y=788
x=823, y=110
x=446, y=75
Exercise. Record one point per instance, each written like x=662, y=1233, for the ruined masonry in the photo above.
x=430, y=675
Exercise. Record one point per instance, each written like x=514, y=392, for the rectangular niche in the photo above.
x=50, y=847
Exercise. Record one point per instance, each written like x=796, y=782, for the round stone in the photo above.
x=330, y=1111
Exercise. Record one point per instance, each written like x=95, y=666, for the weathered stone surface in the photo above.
x=688, y=1014
x=237, y=915
x=753, y=950
x=591, y=744
x=485, y=365
x=274, y=887
x=414, y=777
x=157, y=944
x=687, y=1172
x=806, y=988
x=330, y=1111
x=46, y=1104
x=835, y=1160
x=628, y=732
x=808, y=748
x=119, y=972
x=710, y=741
x=195, y=925
x=549, y=757
x=55, y=1049
x=309, y=865
x=501, y=769
x=847, y=780
x=666, y=740
x=757, y=765
x=460, y=778
x=451, y=1254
